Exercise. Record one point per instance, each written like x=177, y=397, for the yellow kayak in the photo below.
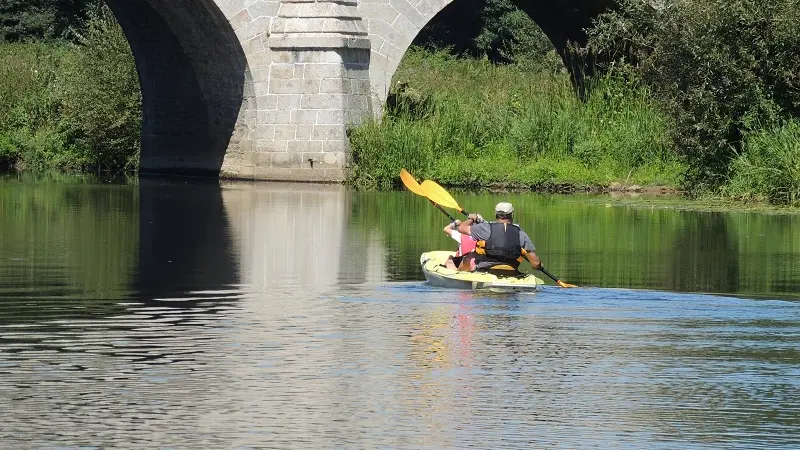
x=439, y=275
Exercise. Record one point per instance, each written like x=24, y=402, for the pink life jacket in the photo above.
x=467, y=245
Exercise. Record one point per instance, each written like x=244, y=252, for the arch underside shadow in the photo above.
x=193, y=75
x=563, y=22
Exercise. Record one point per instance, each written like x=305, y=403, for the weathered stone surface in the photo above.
x=304, y=116
x=267, y=88
x=304, y=133
x=285, y=132
x=330, y=117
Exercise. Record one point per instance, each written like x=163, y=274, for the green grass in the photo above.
x=472, y=123
x=768, y=169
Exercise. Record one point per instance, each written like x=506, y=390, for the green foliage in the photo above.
x=768, y=169
x=509, y=35
x=721, y=68
x=22, y=20
x=28, y=82
x=103, y=101
x=30, y=86
x=9, y=153
x=494, y=29
x=466, y=122
x=70, y=107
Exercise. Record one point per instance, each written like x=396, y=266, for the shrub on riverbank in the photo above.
x=71, y=107
x=721, y=68
x=768, y=169
x=468, y=122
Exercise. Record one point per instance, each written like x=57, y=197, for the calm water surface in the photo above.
x=187, y=315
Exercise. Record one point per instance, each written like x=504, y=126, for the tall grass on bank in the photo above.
x=29, y=105
x=718, y=67
x=469, y=122
x=768, y=169
x=71, y=107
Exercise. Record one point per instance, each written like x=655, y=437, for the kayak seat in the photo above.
x=504, y=271
x=502, y=267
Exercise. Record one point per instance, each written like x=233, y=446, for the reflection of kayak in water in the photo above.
x=439, y=275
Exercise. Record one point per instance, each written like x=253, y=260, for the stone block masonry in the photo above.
x=266, y=89
x=316, y=86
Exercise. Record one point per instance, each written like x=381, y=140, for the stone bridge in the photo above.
x=266, y=89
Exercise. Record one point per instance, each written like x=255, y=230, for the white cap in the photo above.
x=504, y=208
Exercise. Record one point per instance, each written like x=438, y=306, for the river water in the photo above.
x=187, y=314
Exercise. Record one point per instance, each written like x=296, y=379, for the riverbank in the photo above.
x=468, y=123
x=471, y=123
x=679, y=202
x=463, y=122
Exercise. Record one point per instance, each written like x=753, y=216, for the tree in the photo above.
x=721, y=68
x=42, y=19
x=496, y=29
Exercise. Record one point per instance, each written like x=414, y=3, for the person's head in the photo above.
x=504, y=211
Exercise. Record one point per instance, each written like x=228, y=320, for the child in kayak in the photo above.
x=466, y=245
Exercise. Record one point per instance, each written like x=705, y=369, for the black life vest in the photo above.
x=502, y=246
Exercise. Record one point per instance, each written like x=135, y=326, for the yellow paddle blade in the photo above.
x=411, y=183
x=566, y=285
x=439, y=195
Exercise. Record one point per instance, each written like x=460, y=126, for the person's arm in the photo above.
x=533, y=258
x=529, y=250
x=451, y=226
x=466, y=226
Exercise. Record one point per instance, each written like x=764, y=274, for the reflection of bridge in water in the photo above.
x=236, y=337
x=206, y=237
x=298, y=234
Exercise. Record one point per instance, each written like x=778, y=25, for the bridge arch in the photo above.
x=393, y=25
x=268, y=88
x=195, y=80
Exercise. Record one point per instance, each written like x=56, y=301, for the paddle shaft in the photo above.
x=552, y=277
x=452, y=219
x=431, y=189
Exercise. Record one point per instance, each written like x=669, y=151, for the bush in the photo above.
x=102, y=98
x=22, y=20
x=29, y=83
x=768, y=169
x=717, y=66
x=9, y=153
x=71, y=107
x=493, y=29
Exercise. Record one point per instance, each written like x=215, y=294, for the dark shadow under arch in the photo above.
x=566, y=22
x=193, y=73
x=185, y=241
x=562, y=22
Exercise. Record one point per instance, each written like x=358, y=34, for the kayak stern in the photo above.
x=438, y=275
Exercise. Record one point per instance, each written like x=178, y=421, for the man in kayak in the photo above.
x=466, y=245
x=501, y=245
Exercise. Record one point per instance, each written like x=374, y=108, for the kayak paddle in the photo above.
x=411, y=183
x=434, y=190
x=559, y=282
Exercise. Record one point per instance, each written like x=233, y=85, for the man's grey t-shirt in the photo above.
x=482, y=231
